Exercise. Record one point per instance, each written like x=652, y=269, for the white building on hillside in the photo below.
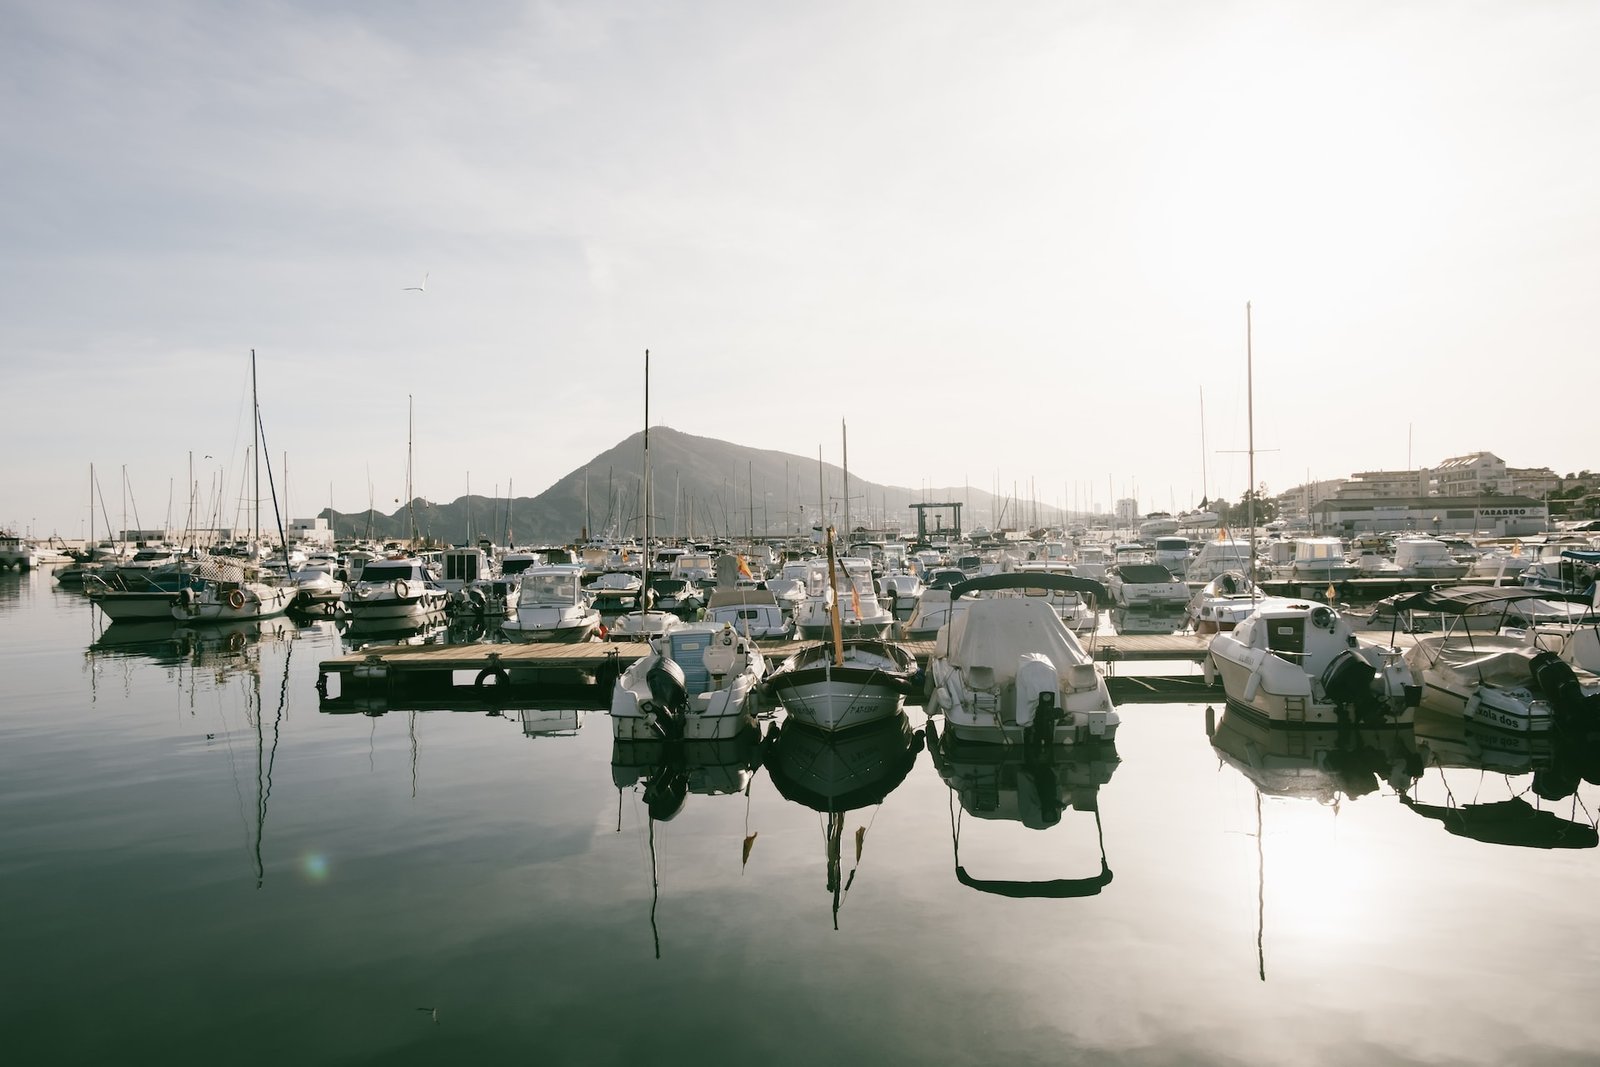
x=1470, y=475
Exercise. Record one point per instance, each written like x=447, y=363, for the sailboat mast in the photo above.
x=644, y=494
x=1205, y=493
x=255, y=411
x=844, y=434
x=411, y=508
x=1250, y=415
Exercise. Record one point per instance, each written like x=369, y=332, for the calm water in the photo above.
x=196, y=865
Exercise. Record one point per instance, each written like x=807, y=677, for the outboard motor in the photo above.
x=1556, y=679
x=669, y=699
x=1348, y=678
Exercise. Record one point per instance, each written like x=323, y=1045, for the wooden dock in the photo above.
x=501, y=673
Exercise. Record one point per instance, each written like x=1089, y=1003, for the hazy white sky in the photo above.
x=1004, y=241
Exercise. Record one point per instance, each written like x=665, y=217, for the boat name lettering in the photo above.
x=1501, y=512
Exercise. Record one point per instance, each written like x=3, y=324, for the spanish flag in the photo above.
x=855, y=600
x=744, y=568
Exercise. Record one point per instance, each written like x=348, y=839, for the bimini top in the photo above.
x=1048, y=580
x=1470, y=599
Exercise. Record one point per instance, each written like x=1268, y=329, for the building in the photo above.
x=312, y=531
x=1537, y=482
x=1127, y=513
x=1471, y=475
x=1491, y=516
x=1386, y=485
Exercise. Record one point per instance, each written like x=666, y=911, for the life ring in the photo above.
x=235, y=599
x=401, y=589
x=235, y=642
x=501, y=678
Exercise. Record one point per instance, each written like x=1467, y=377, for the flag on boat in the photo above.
x=744, y=568
x=855, y=600
x=1331, y=592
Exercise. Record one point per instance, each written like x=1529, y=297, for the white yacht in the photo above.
x=698, y=683
x=1426, y=557
x=1217, y=557
x=1294, y=661
x=552, y=606
x=861, y=614
x=1319, y=560
x=395, y=590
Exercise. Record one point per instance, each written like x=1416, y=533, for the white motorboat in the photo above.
x=901, y=591
x=1218, y=556
x=835, y=686
x=1145, y=585
x=1319, y=560
x=755, y=613
x=18, y=553
x=1222, y=603
x=396, y=590
x=1426, y=557
x=1080, y=615
x=552, y=606
x=1007, y=670
x=1509, y=679
x=933, y=611
x=232, y=601
x=1173, y=554
x=697, y=683
x=643, y=624
x=1294, y=661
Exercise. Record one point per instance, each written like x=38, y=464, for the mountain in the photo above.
x=702, y=488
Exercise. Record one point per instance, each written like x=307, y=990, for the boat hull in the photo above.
x=871, y=685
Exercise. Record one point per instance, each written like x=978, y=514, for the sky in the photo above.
x=1006, y=244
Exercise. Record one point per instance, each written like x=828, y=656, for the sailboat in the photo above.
x=234, y=594
x=839, y=684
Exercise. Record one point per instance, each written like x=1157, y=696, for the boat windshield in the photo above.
x=548, y=588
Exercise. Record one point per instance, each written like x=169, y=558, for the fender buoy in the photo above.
x=235, y=600
x=401, y=589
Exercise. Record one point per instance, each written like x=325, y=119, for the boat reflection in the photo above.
x=1548, y=767
x=1033, y=787
x=432, y=629
x=836, y=773
x=550, y=722
x=667, y=772
x=225, y=648
x=1148, y=620
x=1323, y=764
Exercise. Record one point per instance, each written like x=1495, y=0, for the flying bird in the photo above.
x=434, y=1012
x=417, y=288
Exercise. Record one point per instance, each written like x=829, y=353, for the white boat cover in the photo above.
x=1465, y=667
x=995, y=632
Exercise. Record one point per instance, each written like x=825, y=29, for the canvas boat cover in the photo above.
x=1144, y=574
x=1468, y=599
x=996, y=632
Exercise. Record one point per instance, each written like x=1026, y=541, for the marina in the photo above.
x=252, y=833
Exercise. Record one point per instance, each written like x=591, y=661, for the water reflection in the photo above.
x=836, y=773
x=221, y=649
x=433, y=629
x=667, y=772
x=1314, y=763
x=1548, y=768
x=1029, y=786
x=1148, y=620
x=550, y=722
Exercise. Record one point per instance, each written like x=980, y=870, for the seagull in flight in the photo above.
x=417, y=288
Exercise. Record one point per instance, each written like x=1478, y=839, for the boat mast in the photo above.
x=644, y=494
x=255, y=411
x=1250, y=415
x=1205, y=493
x=844, y=434
x=411, y=507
